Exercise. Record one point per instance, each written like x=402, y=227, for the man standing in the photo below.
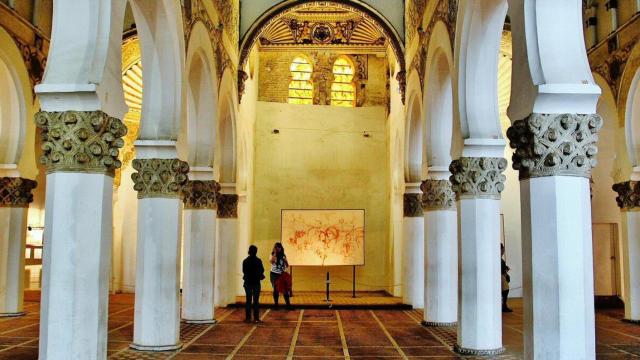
x=506, y=279
x=253, y=271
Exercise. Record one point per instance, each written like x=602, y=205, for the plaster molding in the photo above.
x=80, y=141
x=200, y=194
x=227, y=206
x=160, y=178
x=412, y=205
x=16, y=191
x=555, y=144
x=438, y=195
x=628, y=197
x=478, y=177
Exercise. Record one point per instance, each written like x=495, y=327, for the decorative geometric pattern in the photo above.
x=437, y=195
x=478, y=177
x=201, y=194
x=628, y=194
x=16, y=192
x=159, y=178
x=227, y=206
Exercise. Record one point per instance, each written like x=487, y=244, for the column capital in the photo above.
x=201, y=194
x=160, y=178
x=628, y=194
x=80, y=141
x=16, y=191
x=478, y=177
x=555, y=144
x=437, y=195
x=411, y=205
x=228, y=206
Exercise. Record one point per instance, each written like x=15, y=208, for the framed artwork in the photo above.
x=313, y=237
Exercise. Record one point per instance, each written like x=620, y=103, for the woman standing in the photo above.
x=279, y=265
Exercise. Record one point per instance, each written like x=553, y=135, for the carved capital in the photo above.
x=16, y=192
x=80, y=141
x=227, y=206
x=628, y=194
x=478, y=177
x=437, y=195
x=555, y=144
x=201, y=194
x=412, y=207
x=159, y=178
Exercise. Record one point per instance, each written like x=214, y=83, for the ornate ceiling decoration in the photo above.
x=318, y=24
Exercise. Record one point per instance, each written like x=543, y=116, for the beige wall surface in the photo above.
x=320, y=159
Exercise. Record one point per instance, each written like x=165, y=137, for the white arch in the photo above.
x=414, y=141
x=632, y=121
x=478, y=34
x=199, y=123
x=225, y=155
x=15, y=103
x=439, y=129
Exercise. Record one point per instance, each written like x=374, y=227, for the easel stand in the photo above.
x=328, y=300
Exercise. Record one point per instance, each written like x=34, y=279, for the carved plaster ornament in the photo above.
x=80, y=141
x=227, y=206
x=159, y=178
x=555, y=144
x=478, y=177
x=242, y=78
x=628, y=195
x=412, y=207
x=401, y=76
x=201, y=194
x=437, y=195
x=16, y=192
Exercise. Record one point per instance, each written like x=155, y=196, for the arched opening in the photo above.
x=343, y=90
x=300, y=86
x=414, y=141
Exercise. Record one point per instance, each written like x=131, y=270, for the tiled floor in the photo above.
x=312, y=334
x=338, y=298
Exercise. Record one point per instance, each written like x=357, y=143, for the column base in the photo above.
x=477, y=352
x=438, y=324
x=210, y=321
x=156, y=348
x=632, y=321
x=17, y=314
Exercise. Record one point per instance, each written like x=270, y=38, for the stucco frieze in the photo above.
x=555, y=144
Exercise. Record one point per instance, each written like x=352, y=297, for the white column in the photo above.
x=478, y=182
x=78, y=232
x=629, y=202
x=15, y=196
x=159, y=181
x=199, y=251
x=555, y=154
x=412, y=249
x=227, y=252
x=440, y=253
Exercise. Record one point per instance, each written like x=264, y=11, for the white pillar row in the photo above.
x=412, y=248
x=554, y=154
x=80, y=155
x=440, y=253
x=199, y=242
x=478, y=182
x=15, y=196
x=629, y=201
x=159, y=181
x=227, y=251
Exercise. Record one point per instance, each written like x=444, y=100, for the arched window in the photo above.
x=300, y=87
x=343, y=92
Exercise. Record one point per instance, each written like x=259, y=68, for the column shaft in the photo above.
x=413, y=251
x=227, y=266
x=557, y=260
x=13, y=227
x=631, y=263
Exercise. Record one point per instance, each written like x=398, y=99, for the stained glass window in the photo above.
x=300, y=87
x=342, y=89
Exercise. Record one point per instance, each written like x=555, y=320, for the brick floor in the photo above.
x=312, y=334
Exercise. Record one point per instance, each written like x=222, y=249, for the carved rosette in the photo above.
x=411, y=206
x=80, y=141
x=437, y=195
x=227, y=206
x=628, y=195
x=555, y=144
x=160, y=178
x=201, y=194
x=478, y=177
x=16, y=192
